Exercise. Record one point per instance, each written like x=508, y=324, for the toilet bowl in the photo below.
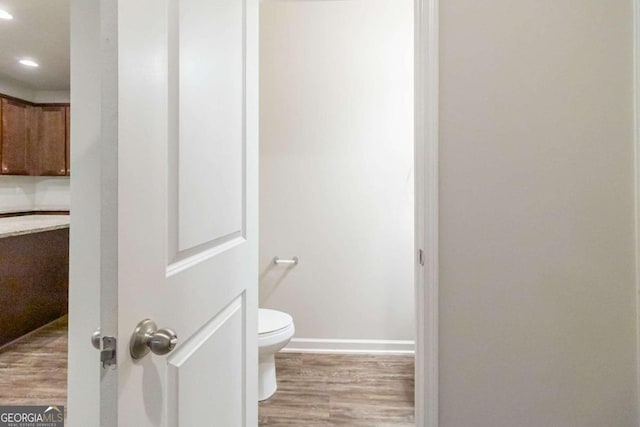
x=275, y=330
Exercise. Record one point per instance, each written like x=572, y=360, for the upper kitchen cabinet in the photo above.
x=67, y=148
x=51, y=142
x=16, y=133
x=34, y=138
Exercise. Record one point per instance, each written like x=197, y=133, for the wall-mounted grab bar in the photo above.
x=293, y=261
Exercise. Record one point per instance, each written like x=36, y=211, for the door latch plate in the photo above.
x=108, y=352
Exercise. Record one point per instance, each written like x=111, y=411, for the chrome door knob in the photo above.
x=96, y=336
x=147, y=337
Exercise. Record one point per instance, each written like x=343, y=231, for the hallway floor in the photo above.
x=313, y=389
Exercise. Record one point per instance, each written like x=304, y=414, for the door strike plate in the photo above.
x=108, y=352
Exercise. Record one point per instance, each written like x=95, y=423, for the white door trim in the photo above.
x=636, y=149
x=426, y=214
x=350, y=346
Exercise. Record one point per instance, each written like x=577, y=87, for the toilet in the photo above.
x=275, y=330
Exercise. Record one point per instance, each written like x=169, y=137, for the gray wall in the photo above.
x=537, y=291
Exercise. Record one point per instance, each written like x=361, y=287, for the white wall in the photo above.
x=33, y=193
x=17, y=193
x=51, y=96
x=336, y=168
x=83, y=387
x=52, y=193
x=16, y=89
x=537, y=294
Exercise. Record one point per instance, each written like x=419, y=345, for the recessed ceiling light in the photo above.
x=5, y=15
x=28, y=63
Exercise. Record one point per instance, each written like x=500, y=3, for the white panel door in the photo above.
x=183, y=196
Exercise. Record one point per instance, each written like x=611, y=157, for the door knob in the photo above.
x=95, y=339
x=147, y=337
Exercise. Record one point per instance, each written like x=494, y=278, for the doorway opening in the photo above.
x=347, y=145
x=336, y=202
x=34, y=201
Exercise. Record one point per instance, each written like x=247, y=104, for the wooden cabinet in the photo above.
x=16, y=133
x=34, y=278
x=50, y=148
x=67, y=145
x=34, y=138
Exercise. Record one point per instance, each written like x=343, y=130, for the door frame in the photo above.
x=426, y=101
x=636, y=149
x=85, y=184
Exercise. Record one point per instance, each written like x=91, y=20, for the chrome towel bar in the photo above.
x=292, y=261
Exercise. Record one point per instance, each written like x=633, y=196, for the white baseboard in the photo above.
x=343, y=346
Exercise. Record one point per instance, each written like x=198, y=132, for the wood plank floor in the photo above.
x=313, y=389
x=33, y=369
x=341, y=390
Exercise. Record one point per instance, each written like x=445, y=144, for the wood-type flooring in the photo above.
x=341, y=390
x=313, y=389
x=33, y=369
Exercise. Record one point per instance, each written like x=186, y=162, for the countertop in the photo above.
x=27, y=224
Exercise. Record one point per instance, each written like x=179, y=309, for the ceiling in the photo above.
x=39, y=31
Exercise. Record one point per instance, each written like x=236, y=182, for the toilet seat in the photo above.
x=270, y=321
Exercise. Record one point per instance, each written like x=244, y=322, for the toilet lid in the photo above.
x=272, y=320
